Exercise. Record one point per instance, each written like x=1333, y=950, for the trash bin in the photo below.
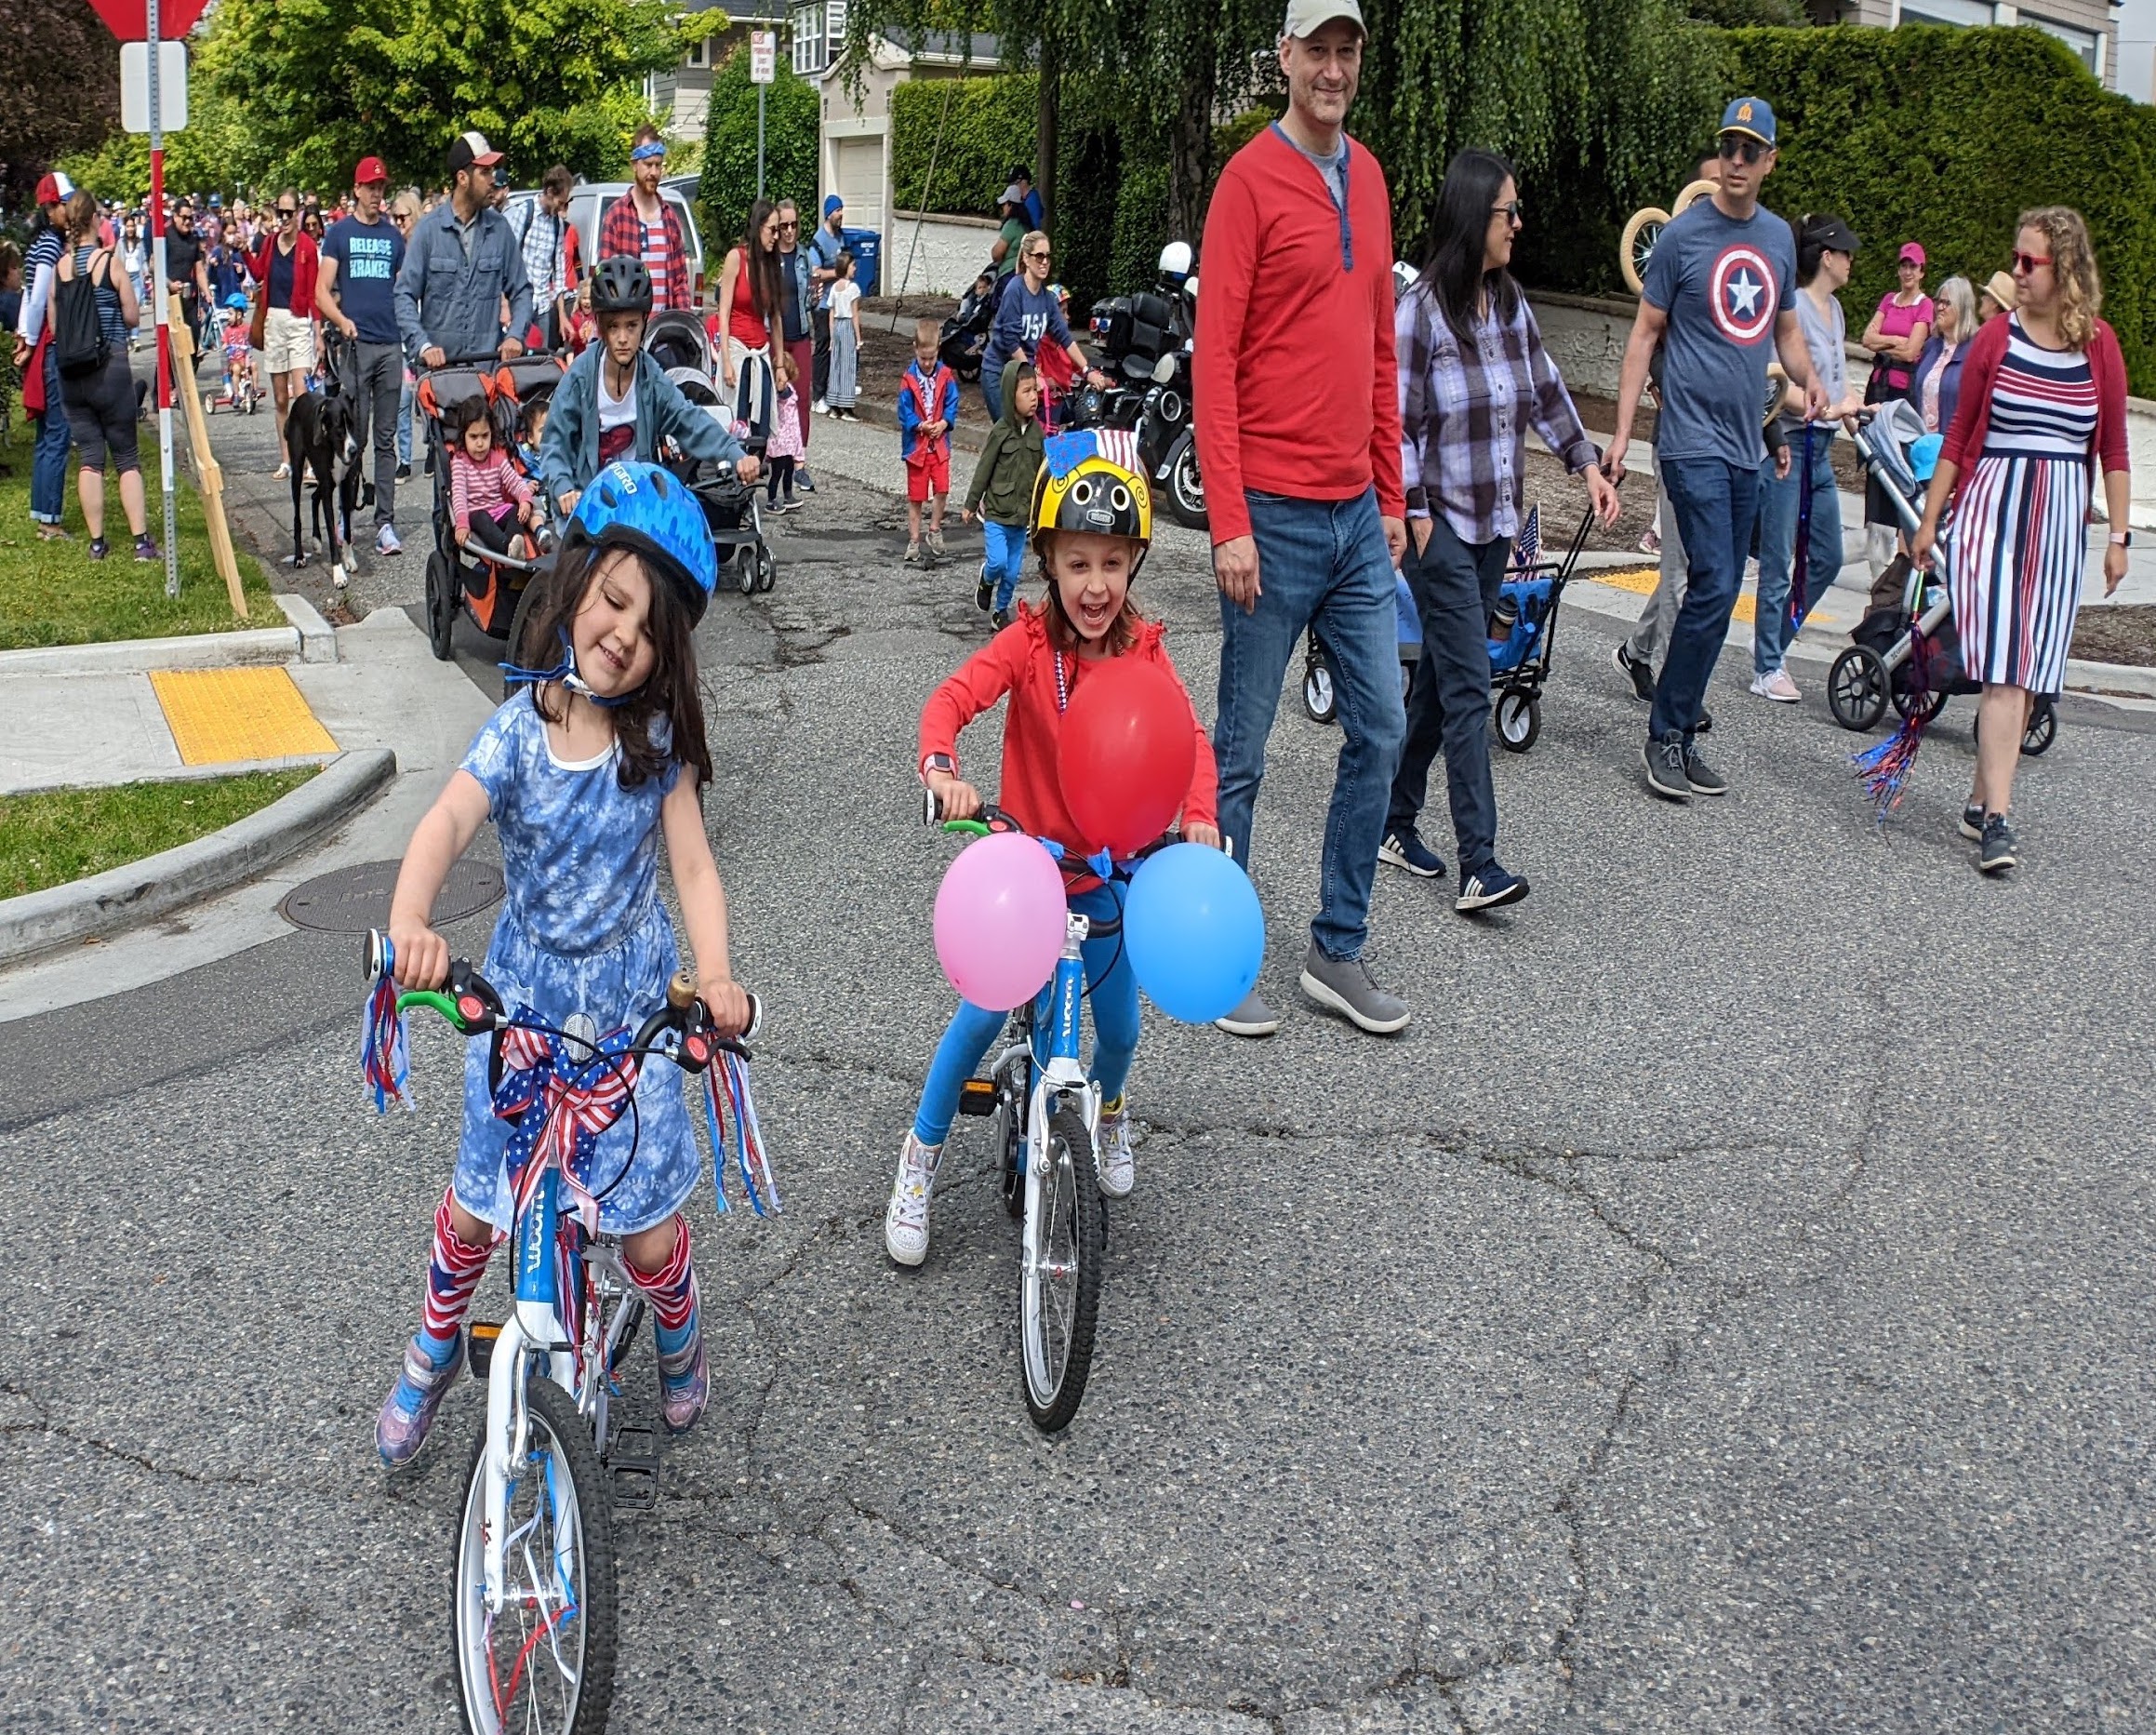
x=867, y=247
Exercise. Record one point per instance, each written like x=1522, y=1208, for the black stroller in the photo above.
x=1905, y=652
x=732, y=508
x=490, y=587
x=964, y=337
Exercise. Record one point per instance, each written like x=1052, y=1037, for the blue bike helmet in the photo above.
x=644, y=507
x=235, y=302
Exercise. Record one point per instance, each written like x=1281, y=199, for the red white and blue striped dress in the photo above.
x=2020, y=533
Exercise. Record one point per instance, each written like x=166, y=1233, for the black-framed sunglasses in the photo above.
x=1509, y=211
x=784, y=226
x=1745, y=151
x=286, y=211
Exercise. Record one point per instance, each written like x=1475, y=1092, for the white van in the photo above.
x=590, y=200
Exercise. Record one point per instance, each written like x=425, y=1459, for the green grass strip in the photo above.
x=62, y=834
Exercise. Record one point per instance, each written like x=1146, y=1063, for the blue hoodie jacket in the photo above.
x=569, y=453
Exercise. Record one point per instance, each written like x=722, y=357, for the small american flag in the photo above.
x=1527, y=545
x=1119, y=445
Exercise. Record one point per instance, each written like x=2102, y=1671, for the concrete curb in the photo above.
x=146, y=890
x=305, y=638
x=2102, y=679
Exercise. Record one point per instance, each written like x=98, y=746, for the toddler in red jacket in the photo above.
x=1092, y=520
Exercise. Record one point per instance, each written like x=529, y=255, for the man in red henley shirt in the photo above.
x=1298, y=438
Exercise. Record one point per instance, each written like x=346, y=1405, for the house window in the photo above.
x=699, y=53
x=1963, y=12
x=811, y=55
x=2086, y=43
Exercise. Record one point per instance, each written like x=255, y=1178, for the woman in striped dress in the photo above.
x=2043, y=408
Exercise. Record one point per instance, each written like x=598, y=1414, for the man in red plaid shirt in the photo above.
x=644, y=225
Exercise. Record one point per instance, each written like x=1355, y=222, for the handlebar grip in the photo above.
x=755, y=1025
x=381, y=956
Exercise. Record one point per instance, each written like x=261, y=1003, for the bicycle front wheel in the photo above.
x=1060, y=1294
x=546, y=1662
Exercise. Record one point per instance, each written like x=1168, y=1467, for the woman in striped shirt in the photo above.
x=1473, y=379
x=2043, y=408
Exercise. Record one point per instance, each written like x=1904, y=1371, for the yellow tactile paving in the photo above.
x=223, y=716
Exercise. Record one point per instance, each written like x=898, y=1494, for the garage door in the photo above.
x=858, y=167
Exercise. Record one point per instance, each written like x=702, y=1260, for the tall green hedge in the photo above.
x=1945, y=136
x=988, y=126
x=728, y=187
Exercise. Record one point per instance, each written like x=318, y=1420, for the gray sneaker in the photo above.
x=1252, y=1018
x=1347, y=986
x=1705, y=780
x=1665, y=762
x=2001, y=847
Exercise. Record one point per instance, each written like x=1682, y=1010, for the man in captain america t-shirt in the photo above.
x=1719, y=300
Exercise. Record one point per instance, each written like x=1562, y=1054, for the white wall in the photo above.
x=2136, y=68
x=950, y=253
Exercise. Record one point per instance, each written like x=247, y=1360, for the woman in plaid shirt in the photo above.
x=1473, y=379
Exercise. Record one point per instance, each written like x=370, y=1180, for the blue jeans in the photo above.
x=1455, y=588
x=1322, y=564
x=1114, y=1001
x=48, y=456
x=404, y=424
x=991, y=381
x=1006, y=558
x=1717, y=505
x=1779, y=503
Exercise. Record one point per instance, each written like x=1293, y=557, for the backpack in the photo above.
x=79, y=345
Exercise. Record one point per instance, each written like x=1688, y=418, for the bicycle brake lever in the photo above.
x=479, y=1009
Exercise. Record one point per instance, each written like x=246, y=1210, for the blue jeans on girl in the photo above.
x=49, y=457
x=1113, y=1002
x=1006, y=558
x=1779, y=503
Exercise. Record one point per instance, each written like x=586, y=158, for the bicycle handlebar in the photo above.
x=472, y=1008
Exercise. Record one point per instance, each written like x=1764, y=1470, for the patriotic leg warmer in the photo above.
x=672, y=1291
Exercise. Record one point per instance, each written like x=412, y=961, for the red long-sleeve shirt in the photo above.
x=1019, y=660
x=1295, y=379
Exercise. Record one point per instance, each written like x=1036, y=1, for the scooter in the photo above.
x=1147, y=342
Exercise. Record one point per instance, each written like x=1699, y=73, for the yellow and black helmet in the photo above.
x=1095, y=494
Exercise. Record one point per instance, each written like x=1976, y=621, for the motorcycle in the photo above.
x=1147, y=342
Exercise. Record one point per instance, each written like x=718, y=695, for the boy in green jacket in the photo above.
x=1002, y=494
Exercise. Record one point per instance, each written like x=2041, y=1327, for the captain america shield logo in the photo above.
x=1742, y=294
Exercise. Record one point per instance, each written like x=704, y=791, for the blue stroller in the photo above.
x=1318, y=697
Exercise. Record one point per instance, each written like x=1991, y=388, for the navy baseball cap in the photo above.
x=1751, y=116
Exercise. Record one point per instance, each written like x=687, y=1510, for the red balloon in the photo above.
x=1127, y=749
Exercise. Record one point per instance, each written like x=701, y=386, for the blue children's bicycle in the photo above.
x=1046, y=1126
x=533, y=1617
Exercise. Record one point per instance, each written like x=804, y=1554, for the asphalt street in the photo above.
x=1726, y=1308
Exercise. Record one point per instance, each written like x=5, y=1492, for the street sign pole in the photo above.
x=164, y=319
x=763, y=69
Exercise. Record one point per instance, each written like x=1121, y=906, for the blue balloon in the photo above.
x=1194, y=930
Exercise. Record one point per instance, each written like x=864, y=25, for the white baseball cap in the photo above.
x=1305, y=17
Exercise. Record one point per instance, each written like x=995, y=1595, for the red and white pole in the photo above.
x=163, y=298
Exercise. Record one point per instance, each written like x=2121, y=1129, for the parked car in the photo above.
x=590, y=200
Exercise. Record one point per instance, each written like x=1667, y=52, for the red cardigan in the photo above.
x=1018, y=661
x=1980, y=373
x=306, y=263
x=1293, y=377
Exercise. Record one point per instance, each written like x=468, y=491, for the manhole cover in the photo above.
x=355, y=899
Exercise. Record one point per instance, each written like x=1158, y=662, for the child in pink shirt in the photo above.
x=485, y=490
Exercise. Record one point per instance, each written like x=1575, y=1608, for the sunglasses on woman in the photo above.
x=286, y=213
x=2029, y=264
x=1509, y=211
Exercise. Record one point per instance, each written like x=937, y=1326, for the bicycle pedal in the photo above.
x=976, y=1096
x=479, y=1339
x=633, y=1465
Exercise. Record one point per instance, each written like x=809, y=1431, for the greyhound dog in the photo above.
x=318, y=429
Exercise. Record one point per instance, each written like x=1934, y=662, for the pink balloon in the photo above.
x=999, y=920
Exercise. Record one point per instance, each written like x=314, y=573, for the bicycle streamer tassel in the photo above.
x=1886, y=767
x=729, y=1073
x=557, y=1106
x=385, y=1049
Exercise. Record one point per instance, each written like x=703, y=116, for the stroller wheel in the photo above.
x=1318, y=698
x=1857, y=689
x=2042, y=731
x=766, y=570
x=745, y=569
x=441, y=588
x=1924, y=704
x=1519, y=720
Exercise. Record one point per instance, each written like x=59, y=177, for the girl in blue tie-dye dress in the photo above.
x=583, y=774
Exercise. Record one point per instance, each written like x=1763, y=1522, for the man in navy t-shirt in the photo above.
x=360, y=257
x=1719, y=301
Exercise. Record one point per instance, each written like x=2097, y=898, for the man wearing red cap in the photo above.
x=34, y=361
x=356, y=292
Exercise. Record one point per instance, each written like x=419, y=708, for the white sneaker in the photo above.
x=1115, y=1167
x=906, y=1217
x=821, y=408
x=1777, y=687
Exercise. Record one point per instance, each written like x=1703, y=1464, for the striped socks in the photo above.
x=453, y=1270
x=672, y=1291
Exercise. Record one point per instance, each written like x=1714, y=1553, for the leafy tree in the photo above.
x=62, y=89
x=326, y=82
x=728, y=188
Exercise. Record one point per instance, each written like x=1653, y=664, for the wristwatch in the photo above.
x=941, y=762
x=2122, y=538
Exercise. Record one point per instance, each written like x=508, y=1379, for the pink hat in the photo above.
x=1914, y=252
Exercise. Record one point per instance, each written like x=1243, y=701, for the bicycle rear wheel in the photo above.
x=1059, y=1296
x=546, y=1662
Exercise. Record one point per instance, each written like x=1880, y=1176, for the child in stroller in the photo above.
x=1905, y=651
x=476, y=571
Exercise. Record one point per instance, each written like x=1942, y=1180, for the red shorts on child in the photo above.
x=927, y=471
